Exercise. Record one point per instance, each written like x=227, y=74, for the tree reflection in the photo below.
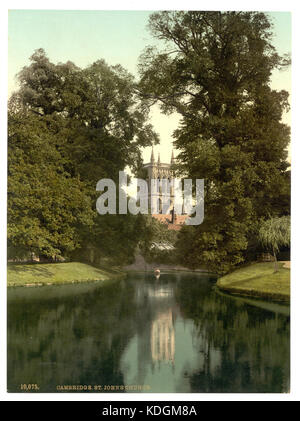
x=242, y=348
x=75, y=339
x=177, y=334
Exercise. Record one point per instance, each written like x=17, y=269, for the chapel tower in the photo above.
x=157, y=170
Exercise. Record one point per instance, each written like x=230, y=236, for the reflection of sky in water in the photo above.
x=164, y=376
x=161, y=292
x=166, y=353
x=174, y=335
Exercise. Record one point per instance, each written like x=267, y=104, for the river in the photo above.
x=174, y=334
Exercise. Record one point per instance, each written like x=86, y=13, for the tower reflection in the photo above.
x=163, y=337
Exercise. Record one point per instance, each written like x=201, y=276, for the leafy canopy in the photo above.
x=215, y=72
x=69, y=127
x=275, y=232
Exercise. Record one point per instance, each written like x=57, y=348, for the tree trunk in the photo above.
x=275, y=261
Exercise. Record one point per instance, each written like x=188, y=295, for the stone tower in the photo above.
x=157, y=170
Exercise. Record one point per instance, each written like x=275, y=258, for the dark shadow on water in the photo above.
x=175, y=334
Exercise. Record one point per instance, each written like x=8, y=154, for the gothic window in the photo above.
x=159, y=205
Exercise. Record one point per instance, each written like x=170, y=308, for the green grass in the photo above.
x=56, y=273
x=259, y=280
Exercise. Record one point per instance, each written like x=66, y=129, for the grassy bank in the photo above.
x=258, y=280
x=57, y=273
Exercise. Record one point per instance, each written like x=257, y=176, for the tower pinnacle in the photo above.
x=172, y=157
x=152, y=156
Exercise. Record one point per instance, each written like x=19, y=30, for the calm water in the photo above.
x=177, y=334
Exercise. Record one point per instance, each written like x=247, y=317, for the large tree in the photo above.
x=68, y=128
x=95, y=113
x=215, y=71
x=46, y=207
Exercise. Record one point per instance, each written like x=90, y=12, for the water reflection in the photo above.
x=163, y=338
x=172, y=334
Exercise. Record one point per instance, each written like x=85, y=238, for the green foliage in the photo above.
x=95, y=113
x=46, y=207
x=215, y=72
x=275, y=233
x=157, y=234
x=113, y=240
x=69, y=127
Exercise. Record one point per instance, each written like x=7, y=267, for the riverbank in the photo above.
x=140, y=265
x=37, y=274
x=258, y=280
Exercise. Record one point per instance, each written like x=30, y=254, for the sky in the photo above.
x=119, y=37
